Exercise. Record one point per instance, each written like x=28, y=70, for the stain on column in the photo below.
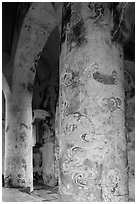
x=104, y=78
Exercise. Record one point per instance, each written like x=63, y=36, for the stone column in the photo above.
x=92, y=156
x=37, y=26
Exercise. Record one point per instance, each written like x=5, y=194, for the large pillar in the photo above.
x=92, y=156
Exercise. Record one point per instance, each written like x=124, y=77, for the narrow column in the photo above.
x=37, y=26
x=92, y=156
x=18, y=142
x=48, y=157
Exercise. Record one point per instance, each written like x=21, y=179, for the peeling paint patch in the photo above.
x=111, y=185
x=76, y=36
x=105, y=79
x=19, y=175
x=89, y=178
x=33, y=69
x=85, y=111
x=39, y=54
x=8, y=181
x=30, y=87
x=23, y=85
x=76, y=122
x=71, y=127
x=36, y=60
x=83, y=137
x=70, y=78
x=114, y=74
x=24, y=164
x=22, y=136
x=96, y=10
x=112, y=103
x=23, y=181
x=75, y=150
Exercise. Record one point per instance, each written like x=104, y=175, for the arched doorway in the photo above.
x=45, y=95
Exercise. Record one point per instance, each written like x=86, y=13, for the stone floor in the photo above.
x=41, y=193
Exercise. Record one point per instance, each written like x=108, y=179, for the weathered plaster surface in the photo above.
x=92, y=143
x=38, y=24
x=130, y=128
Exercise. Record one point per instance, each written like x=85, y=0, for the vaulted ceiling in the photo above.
x=13, y=14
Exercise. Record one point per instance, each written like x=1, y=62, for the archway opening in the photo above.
x=45, y=97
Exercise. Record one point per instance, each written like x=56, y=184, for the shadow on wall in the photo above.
x=45, y=96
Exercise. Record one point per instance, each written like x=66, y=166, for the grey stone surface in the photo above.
x=41, y=195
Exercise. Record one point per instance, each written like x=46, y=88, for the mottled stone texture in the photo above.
x=130, y=126
x=48, y=157
x=18, y=143
x=91, y=126
x=38, y=24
